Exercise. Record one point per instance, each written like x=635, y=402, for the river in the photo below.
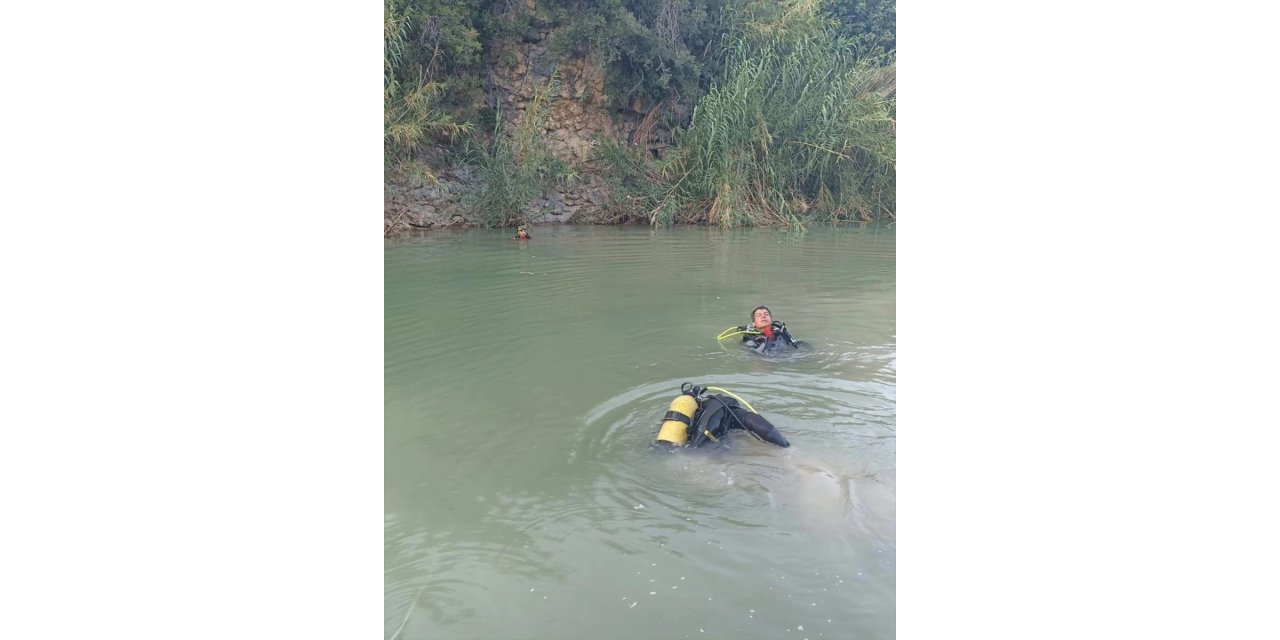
x=525, y=380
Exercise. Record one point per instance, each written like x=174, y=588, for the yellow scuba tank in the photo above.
x=675, y=430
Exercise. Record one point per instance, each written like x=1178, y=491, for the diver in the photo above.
x=763, y=334
x=521, y=234
x=696, y=419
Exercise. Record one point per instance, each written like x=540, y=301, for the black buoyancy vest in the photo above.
x=719, y=414
x=780, y=337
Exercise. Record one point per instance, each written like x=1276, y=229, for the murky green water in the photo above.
x=525, y=381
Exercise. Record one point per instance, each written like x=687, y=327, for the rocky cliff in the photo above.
x=580, y=114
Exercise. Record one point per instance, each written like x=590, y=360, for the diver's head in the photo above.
x=761, y=317
x=522, y=232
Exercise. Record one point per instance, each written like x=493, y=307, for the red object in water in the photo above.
x=768, y=331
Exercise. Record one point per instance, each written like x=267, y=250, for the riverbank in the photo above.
x=448, y=203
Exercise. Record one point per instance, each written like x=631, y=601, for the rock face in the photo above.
x=580, y=114
x=431, y=206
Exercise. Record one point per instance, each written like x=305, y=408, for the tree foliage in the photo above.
x=870, y=24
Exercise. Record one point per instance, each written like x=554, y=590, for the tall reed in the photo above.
x=411, y=115
x=800, y=130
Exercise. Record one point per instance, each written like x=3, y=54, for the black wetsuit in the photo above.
x=718, y=414
x=760, y=343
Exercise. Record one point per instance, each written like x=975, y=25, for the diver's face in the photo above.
x=762, y=318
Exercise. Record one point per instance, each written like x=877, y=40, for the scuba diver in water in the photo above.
x=521, y=234
x=696, y=419
x=763, y=334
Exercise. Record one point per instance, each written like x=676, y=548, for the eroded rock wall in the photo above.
x=580, y=115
